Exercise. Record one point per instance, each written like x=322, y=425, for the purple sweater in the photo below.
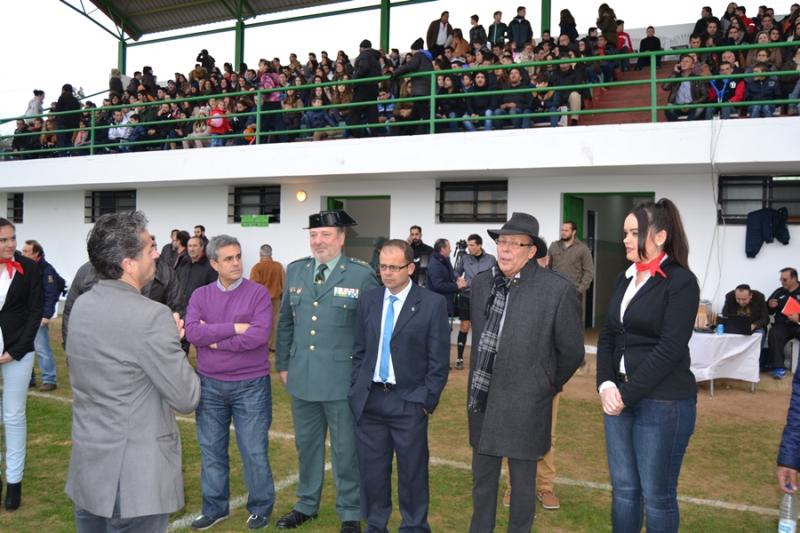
x=237, y=357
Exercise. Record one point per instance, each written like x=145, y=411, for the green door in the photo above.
x=573, y=210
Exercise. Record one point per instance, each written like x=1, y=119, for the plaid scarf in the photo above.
x=487, y=346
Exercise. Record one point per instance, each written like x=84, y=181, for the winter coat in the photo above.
x=765, y=225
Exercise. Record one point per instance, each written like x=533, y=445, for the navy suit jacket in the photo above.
x=420, y=348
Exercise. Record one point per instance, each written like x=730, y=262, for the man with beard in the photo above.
x=422, y=256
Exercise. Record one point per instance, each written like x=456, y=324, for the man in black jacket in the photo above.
x=744, y=301
x=367, y=65
x=519, y=30
x=71, y=121
x=194, y=270
x=787, y=324
x=566, y=76
x=420, y=86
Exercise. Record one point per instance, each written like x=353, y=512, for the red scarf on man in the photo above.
x=654, y=266
x=11, y=266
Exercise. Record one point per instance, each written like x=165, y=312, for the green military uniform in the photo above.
x=315, y=344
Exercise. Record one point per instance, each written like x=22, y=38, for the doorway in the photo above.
x=372, y=214
x=599, y=218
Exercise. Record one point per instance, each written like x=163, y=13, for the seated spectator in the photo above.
x=403, y=111
x=743, y=301
x=514, y=103
x=479, y=105
x=218, y=124
x=82, y=138
x=606, y=67
x=48, y=137
x=138, y=133
x=318, y=118
x=292, y=119
x=728, y=56
x=735, y=37
x=761, y=88
x=771, y=56
x=624, y=45
x=119, y=130
x=385, y=109
x=713, y=33
x=785, y=328
x=565, y=76
x=342, y=94
x=685, y=90
x=791, y=84
x=544, y=98
x=23, y=139
x=650, y=43
x=459, y=45
x=196, y=139
x=724, y=90
x=449, y=107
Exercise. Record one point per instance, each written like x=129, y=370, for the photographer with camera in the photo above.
x=468, y=265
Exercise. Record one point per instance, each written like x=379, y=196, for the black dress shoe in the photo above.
x=293, y=519
x=351, y=527
x=13, y=496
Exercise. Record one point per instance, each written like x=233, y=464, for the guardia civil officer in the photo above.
x=314, y=349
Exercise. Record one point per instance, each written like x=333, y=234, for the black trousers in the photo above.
x=390, y=425
x=779, y=334
x=367, y=114
x=485, y=480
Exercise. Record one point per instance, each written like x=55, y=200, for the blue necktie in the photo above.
x=388, y=326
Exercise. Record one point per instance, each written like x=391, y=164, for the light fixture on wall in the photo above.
x=301, y=196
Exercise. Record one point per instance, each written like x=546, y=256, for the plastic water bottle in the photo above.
x=787, y=522
x=720, y=329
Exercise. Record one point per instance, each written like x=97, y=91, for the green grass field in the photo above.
x=730, y=459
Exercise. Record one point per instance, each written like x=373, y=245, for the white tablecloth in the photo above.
x=725, y=356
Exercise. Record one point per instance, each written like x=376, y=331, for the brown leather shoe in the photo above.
x=548, y=499
x=47, y=387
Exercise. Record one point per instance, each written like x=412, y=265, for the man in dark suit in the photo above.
x=400, y=366
x=529, y=342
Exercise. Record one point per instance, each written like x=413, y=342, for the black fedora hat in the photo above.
x=329, y=219
x=522, y=224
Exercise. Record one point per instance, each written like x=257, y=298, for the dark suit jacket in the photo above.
x=420, y=348
x=541, y=346
x=654, y=337
x=759, y=315
x=22, y=312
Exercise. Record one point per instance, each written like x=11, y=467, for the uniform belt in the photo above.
x=385, y=387
x=622, y=377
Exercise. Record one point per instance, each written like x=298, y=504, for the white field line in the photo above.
x=438, y=461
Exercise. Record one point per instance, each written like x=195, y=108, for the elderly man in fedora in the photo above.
x=530, y=342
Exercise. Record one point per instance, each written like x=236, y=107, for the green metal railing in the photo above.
x=261, y=115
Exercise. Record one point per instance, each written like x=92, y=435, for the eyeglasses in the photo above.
x=512, y=244
x=393, y=268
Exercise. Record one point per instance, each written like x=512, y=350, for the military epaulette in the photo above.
x=359, y=262
x=301, y=259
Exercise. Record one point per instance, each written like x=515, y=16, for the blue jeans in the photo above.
x=516, y=123
x=217, y=141
x=487, y=124
x=724, y=112
x=249, y=404
x=645, y=446
x=764, y=111
x=47, y=363
x=15, y=377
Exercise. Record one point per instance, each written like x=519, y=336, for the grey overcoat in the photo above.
x=541, y=346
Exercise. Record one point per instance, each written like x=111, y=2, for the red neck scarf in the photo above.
x=654, y=266
x=11, y=266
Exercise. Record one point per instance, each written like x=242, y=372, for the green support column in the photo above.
x=385, y=17
x=238, y=54
x=122, y=55
x=546, y=19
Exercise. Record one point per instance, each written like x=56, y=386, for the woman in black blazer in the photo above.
x=21, y=304
x=647, y=391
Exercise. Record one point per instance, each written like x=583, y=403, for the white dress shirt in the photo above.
x=398, y=306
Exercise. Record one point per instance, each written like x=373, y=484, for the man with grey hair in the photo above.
x=229, y=323
x=128, y=374
x=271, y=275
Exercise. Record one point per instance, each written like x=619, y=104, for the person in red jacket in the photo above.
x=218, y=124
x=724, y=90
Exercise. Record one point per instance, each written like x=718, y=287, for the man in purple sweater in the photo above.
x=229, y=321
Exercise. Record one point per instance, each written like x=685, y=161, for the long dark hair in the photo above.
x=663, y=215
x=566, y=17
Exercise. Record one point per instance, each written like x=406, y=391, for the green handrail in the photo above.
x=431, y=121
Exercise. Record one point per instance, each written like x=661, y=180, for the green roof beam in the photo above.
x=164, y=9
x=386, y=8
x=546, y=14
x=85, y=14
x=121, y=21
x=122, y=55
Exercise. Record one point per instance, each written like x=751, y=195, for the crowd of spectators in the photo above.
x=218, y=116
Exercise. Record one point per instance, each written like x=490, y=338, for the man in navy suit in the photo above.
x=400, y=366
